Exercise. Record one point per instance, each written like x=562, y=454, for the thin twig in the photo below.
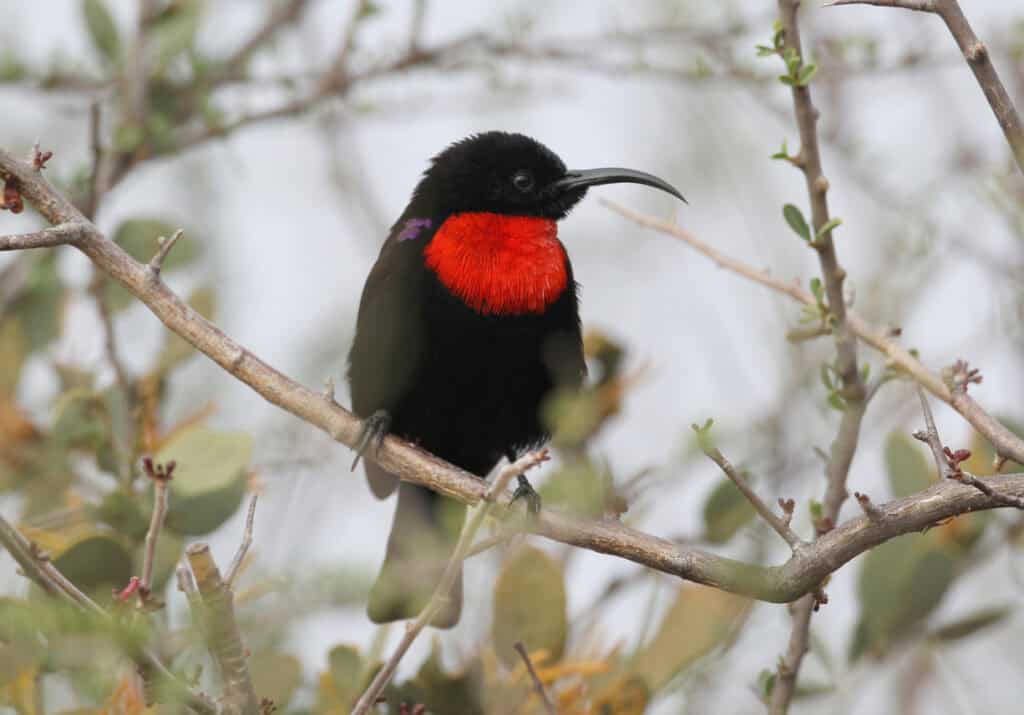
x=440, y=595
x=948, y=463
x=61, y=235
x=774, y=520
x=978, y=59
x=538, y=685
x=243, y=548
x=161, y=476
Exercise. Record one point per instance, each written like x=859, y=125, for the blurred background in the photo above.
x=287, y=164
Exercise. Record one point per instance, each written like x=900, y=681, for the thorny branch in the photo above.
x=948, y=462
x=978, y=59
x=852, y=388
x=439, y=597
x=799, y=575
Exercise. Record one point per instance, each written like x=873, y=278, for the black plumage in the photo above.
x=465, y=380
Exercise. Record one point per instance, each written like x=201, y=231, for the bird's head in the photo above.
x=505, y=173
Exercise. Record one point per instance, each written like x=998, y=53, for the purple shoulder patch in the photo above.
x=411, y=229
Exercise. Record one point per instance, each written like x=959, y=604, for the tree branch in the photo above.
x=978, y=59
x=781, y=584
x=1006, y=442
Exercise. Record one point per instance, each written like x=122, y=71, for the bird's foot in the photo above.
x=375, y=429
x=526, y=491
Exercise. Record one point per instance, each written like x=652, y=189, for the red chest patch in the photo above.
x=499, y=265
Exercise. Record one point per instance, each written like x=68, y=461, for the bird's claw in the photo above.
x=375, y=429
x=526, y=491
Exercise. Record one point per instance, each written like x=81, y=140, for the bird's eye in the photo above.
x=523, y=180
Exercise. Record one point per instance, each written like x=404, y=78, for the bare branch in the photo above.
x=243, y=548
x=60, y=235
x=161, y=476
x=978, y=59
x=220, y=630
x=948, y=462
x=440, y=595
x=538, y=686
x=780, y=525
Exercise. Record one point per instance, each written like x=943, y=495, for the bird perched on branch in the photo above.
x=467, y=321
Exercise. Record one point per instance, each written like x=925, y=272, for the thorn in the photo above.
x=872, y=511
x=39, y=158
x=329, y=390
x=156, y=264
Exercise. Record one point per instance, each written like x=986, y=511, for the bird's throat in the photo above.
x=498, y=264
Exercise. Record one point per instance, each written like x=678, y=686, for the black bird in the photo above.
x=467, y=321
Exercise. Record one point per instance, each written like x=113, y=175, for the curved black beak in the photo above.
x=595, y=177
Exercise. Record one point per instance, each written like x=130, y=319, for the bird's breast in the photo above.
x=498, y=264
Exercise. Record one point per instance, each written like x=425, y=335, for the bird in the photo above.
x=468, y=318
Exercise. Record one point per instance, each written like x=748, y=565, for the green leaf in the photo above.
x=908, y=469
x=276, y=676
x=175, y=32
x=836, y=402
x=706, y=615
x=529, y=606
x=787, y=80
x=782, y=153
x=81, y=420
x=818, y=290
x=806, y=74
x=795, y=218
x=829, y=225
x=40, y=307
x=96, y=562
x=726, y=511
x=970, y=624
x=13, y=351
x=209, y=480
x=102, y=29
x=764, y=50
x=901, y=583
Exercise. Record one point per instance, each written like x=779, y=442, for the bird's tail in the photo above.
x=423, y=537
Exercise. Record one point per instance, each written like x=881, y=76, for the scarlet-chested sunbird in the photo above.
x=467, y=321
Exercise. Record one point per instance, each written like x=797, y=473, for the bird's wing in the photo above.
x=387, y=351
